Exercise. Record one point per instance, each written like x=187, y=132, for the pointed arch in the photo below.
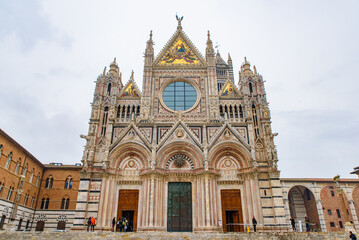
x=180, y=147
x=132, y=149
x=229, y=149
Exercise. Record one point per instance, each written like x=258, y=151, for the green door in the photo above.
x=179, y=215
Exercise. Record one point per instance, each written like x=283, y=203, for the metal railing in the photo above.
x=243, y=227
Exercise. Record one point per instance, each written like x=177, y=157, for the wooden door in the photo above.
x=61, y=225
x=40, y=226
x=179, y=213
x=232, y=211
x=128, y=202
x=2, y=222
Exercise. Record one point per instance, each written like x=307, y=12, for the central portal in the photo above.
x=179, y=215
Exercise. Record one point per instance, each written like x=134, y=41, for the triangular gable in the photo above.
x=179, y=51
x=229, y=90
x=179, y=125
x=130, y=90
x=224, y=130
x=137, y=135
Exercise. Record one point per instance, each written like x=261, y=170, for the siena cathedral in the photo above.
x=192, y=151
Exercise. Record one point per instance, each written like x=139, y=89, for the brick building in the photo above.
x=35, y=194
x=192, y=151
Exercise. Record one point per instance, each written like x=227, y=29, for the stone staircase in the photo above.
x=169, y=236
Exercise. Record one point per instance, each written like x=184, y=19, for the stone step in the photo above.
x=169, y=236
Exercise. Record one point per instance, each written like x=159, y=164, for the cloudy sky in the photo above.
x=51, y=52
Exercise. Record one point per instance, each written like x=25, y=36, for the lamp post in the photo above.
x=348, y=225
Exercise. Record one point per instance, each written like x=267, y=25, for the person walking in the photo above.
x=352, y=236
x=125, y=223
x=254, y=222
x=113, y=224
x=306, y=220
x=88, y=223
x=93, y=223
x=292, y=221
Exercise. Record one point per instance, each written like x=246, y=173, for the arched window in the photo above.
x=17, y=166
x=104, y=121
x=255, y=121
x=26, y=198
x=25, y=170
x=32, y=201
x=68, y=182
x=45, y=203
x=42, y=203
x=250, y=87
x=0, y=151
x=109, y=89
x=49, y=182
x=32, y=175
x=65, y=203
x=37, y=179
x=9, y=157
x=11, y=189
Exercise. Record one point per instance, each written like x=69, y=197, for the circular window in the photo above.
x=179, y=96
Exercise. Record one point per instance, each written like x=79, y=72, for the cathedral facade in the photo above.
x=192, y=151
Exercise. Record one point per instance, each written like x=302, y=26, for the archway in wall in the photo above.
x=301, y=204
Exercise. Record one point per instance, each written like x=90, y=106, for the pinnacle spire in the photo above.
x=132, y=75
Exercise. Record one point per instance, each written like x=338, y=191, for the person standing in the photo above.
x=352, y=236
x=113, y=224
x=254, y=221
x=93, y=222
x=88, y=223
x=306, y=220
x=292, y=221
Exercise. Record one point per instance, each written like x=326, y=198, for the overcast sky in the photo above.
x=51, y=52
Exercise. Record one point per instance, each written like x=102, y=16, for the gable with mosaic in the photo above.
x=179, y=53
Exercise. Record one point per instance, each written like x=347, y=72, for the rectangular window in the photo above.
x=332, y=224
x=329, y=212
x=341, y=224
x=338, y=213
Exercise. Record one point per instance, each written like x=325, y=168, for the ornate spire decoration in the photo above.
x=150, y=42
x=179, y=20
x=114, y=70
x=132, y=75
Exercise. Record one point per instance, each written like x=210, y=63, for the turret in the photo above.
x=114, y=69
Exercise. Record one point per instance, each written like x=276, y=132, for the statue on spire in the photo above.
x=179, y=20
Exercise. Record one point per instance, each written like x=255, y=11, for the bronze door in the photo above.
x=179, y=215
x=231, y=211
x=128, y=207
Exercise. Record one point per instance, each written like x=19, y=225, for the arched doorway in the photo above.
x=301, y=204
